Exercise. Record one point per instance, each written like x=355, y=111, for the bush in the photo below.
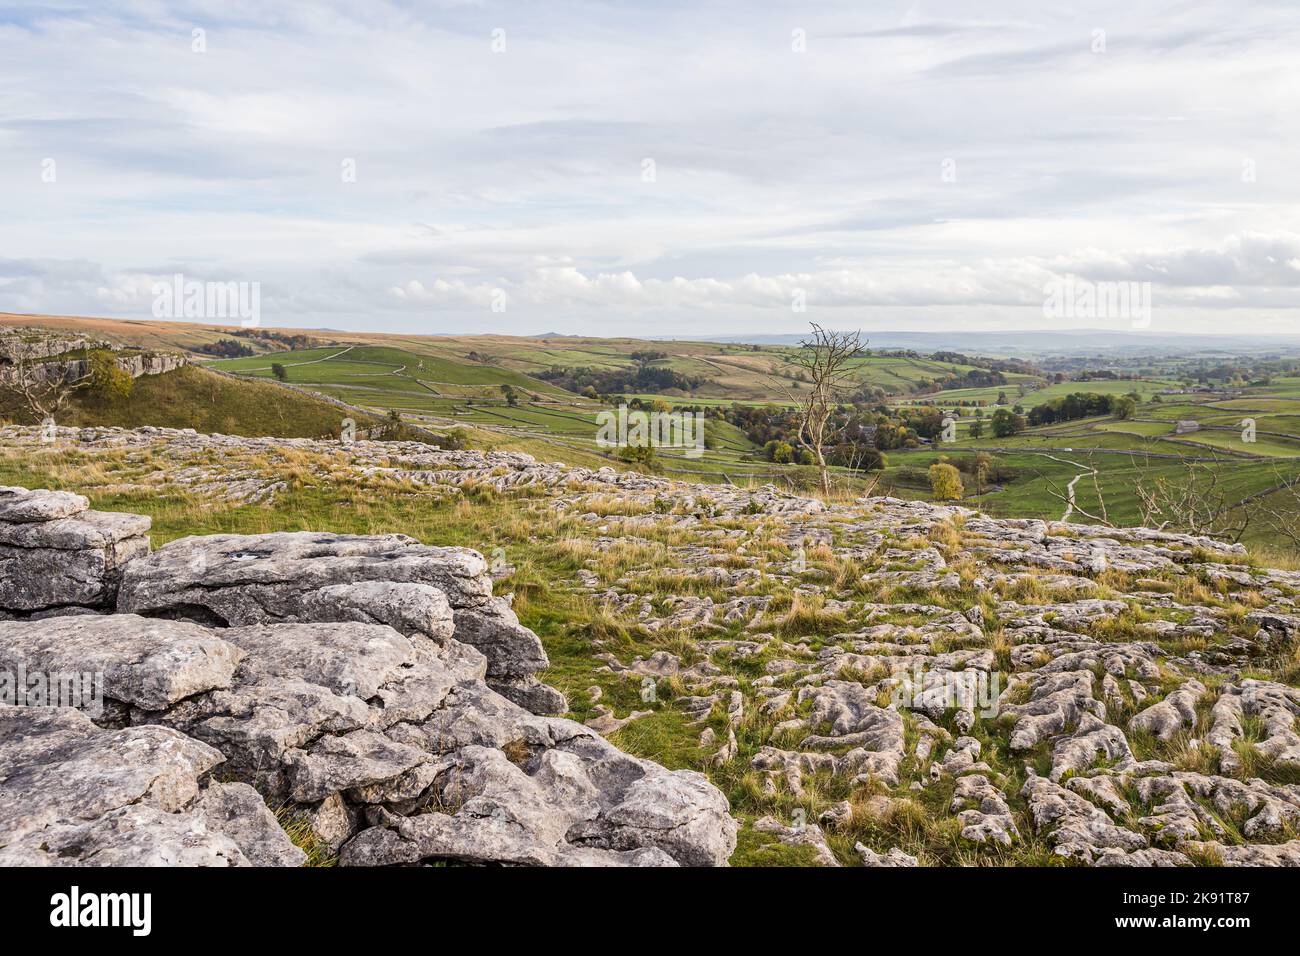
x=1007, y=423
x=108, y=380
x=945, y=483
x=780, y=452
x=455, y=440
x=908, y=475
x=642, y=455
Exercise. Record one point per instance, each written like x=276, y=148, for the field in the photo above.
x=732, y=372
x=440, y=393
x=1110, y=458
x=461, y=384
x=1145, y=387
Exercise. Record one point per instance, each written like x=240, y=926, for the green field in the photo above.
x=437, y=393
x=1143, y=450
x=384, y=369
x=443, y=383
x=1144, y=387
x=440, y=392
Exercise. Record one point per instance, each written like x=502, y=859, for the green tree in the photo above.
x=108, y=380
x=512, y=397
x=280, y=372
x=642, y=455
x=945, y=482
x=1007, y=423
x=778, y=451
x=1123, y=407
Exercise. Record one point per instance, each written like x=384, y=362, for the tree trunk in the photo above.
x=825, y=475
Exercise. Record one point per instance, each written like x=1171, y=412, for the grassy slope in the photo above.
x=1146, y=388
x=192, y=397
x=1044, y=468
x=384, y=368
x=560, y=426
x=736, y=372
x=546, y=551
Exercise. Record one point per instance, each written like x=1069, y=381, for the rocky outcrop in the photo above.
x=424, y=591
x=27, y=344
x=57, y=555
x=47, y=356
x=351, y=682
x=78, y=795
x=1023, y=684
x=391, y=747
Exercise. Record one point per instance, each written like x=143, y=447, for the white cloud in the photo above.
x=775, y=171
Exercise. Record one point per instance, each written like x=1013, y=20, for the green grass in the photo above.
x=1145, y=387
x=383, y=368
x=191, y=397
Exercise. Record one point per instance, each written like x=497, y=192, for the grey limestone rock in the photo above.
x=56, y=553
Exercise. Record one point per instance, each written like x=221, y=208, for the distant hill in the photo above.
x=726, y=371
x=1047, y=342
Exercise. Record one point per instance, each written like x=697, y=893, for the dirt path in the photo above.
x=267, y=368
x=1069, y=489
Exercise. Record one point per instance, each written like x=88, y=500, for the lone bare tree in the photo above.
x=824, y=361
x=1279, y=506
x=1192, y=500
x=43, y=388
x=1197, y=503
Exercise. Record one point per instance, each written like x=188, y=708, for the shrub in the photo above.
x=1007, y=423
x=945, y=482
x=108, y=380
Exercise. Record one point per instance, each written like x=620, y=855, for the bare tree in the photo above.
x=43, y=388
x=823, y=360
x=1195, y=502
x=1281, y=516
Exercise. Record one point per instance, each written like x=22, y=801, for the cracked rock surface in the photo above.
x=307, y=576
x=391, y=746
x=57, y=555
x=973, y=688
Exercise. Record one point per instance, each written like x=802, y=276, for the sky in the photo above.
x=657, y=168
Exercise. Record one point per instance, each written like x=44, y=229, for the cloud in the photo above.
x=523, y=173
